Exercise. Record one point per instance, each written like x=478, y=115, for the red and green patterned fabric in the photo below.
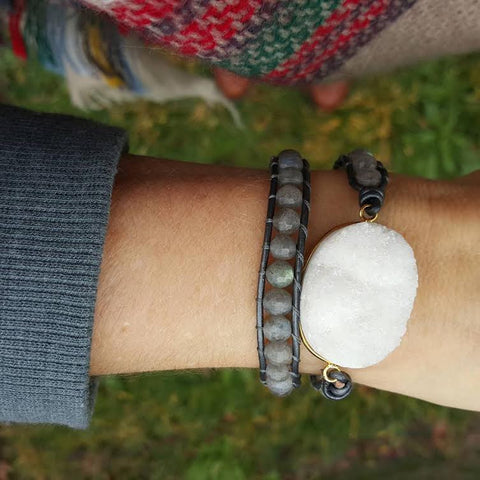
x=283, y=41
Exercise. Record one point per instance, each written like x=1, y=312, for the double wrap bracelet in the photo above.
x=287, y=213
x=359, y=284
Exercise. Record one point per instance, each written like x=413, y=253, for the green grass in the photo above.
x=224, y=424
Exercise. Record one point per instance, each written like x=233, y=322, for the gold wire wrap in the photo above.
x=328, y=367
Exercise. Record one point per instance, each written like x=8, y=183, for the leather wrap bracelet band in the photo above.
x=278, y=338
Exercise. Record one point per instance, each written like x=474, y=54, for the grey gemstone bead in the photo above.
x=365, y=168
x=289, y=196
x=283, y=247
x=368, y=178
x=362, y=159
x=290, y=159
x=286, y=220
x=280, y=389
x=278, y=373
x=277, y=302
x=280, y=274
x=290, y=176
x=278, y=353
x=277, y=328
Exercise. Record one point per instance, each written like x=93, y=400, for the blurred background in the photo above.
x=224, y=424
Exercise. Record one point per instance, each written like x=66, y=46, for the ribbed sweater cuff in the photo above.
x=56, y=177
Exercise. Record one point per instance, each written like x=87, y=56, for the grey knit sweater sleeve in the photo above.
x=56, y=176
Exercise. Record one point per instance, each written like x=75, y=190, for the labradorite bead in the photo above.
x=278, y=353
x=280, y=389
x=278, y=373
x=290, y=176
x=368, y=178
x=362, y=159
x=289, y=196
x=283, y=247
x=290, y=159
x=365, y=168
x=280, y=274
x=277, y=328
x=277, y=301
x=286, y=220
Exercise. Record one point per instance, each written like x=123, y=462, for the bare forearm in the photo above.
x=178, y=282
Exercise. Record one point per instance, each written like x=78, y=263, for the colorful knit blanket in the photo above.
x=283, y=41
x=278, y=41
x=286, y=41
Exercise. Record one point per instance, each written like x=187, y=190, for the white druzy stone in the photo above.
x=357, y=294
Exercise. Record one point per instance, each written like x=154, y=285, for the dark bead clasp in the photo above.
x=329, y=388
x=368, y=176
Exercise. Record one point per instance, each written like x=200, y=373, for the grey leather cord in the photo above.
x=263, y=267
x=299, y=263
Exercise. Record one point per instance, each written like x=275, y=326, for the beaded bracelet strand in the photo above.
x=288, y=171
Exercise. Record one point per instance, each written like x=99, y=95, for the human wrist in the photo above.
x=439, y=219
x=174, y=218
x=178, y=281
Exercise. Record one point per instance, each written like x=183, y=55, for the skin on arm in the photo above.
x=179, y=274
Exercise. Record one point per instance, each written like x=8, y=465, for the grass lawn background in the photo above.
x=223, y=424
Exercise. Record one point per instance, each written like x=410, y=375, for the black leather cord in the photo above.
x=263, y=267
x=297, y=281
x=329, y=389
